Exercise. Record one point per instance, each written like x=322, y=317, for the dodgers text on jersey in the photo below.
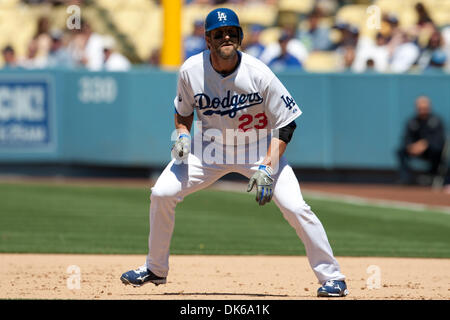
x=230, y=104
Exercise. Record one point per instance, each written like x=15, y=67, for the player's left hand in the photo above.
x=263, y=180
x=182, y=147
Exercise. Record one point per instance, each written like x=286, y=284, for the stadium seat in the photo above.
x=321, y=61
x=190, y=14
x=270, y=35
x=27, y=29
x=258, y=14
x=9, y=4
x=441, y=13
x=139, y=5
x=10, y=22
x=150, y=37
x=354, y=14
x=407, y=17
x=389, y=6
x=129, y=22
x=110, y=5
x=58, y=17
x=304, y=6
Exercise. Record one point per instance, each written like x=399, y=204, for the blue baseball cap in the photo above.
x=222, y=17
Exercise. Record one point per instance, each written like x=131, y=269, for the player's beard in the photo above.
x=227, y=52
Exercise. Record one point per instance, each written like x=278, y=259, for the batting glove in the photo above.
x=182, y=147
x=263, y=180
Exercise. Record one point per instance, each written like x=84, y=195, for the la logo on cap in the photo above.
x=222, y=16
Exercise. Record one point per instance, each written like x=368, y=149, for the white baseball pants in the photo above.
x=179, y=180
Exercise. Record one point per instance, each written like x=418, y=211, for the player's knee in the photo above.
x=163, y=192
x=298, y=207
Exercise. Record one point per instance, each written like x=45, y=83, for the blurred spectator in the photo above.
x=285, y=61
x=432, y=50
x=424, y=26
x=86, y=47
x=348, y=35
x=206, y=2
x=31, y=60
x=376, y=52
x=113, y=60
x=93, y=50
x=155, y=58
x=9, y=57
x=347, y=58
x=391, y=32
x=390, y=25
x=252, y=43
x=317, y=36
x=195, y=43
x=58, y=56
x=328, y=7
x=42, y=37
x=294, y=46
x=370, y=66
x=345, y=45
x=423, y=17
x=196, y=2
x=424, y=138
x=404, y=55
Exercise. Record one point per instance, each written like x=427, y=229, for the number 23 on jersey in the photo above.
x=247, y=121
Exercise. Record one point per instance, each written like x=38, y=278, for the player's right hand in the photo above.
x=263, y=180
x=182, y=147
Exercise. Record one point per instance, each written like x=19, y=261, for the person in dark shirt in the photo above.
x=424, y=138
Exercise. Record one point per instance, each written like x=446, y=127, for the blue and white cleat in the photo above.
x=333, y=288
x=141, y=276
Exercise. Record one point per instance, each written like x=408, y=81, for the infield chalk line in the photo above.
x=320, y=195
x=337, y=197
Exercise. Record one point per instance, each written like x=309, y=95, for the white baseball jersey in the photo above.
x=251, y=98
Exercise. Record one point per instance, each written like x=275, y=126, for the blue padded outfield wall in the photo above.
x=126, y=119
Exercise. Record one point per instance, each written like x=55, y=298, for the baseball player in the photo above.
x=233, y=94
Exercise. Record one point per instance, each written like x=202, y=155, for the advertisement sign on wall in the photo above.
x=26, y=113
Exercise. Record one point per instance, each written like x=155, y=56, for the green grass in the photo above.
x=75, y=219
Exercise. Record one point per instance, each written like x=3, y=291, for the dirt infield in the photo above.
x=47, y=276
x=32, y=276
